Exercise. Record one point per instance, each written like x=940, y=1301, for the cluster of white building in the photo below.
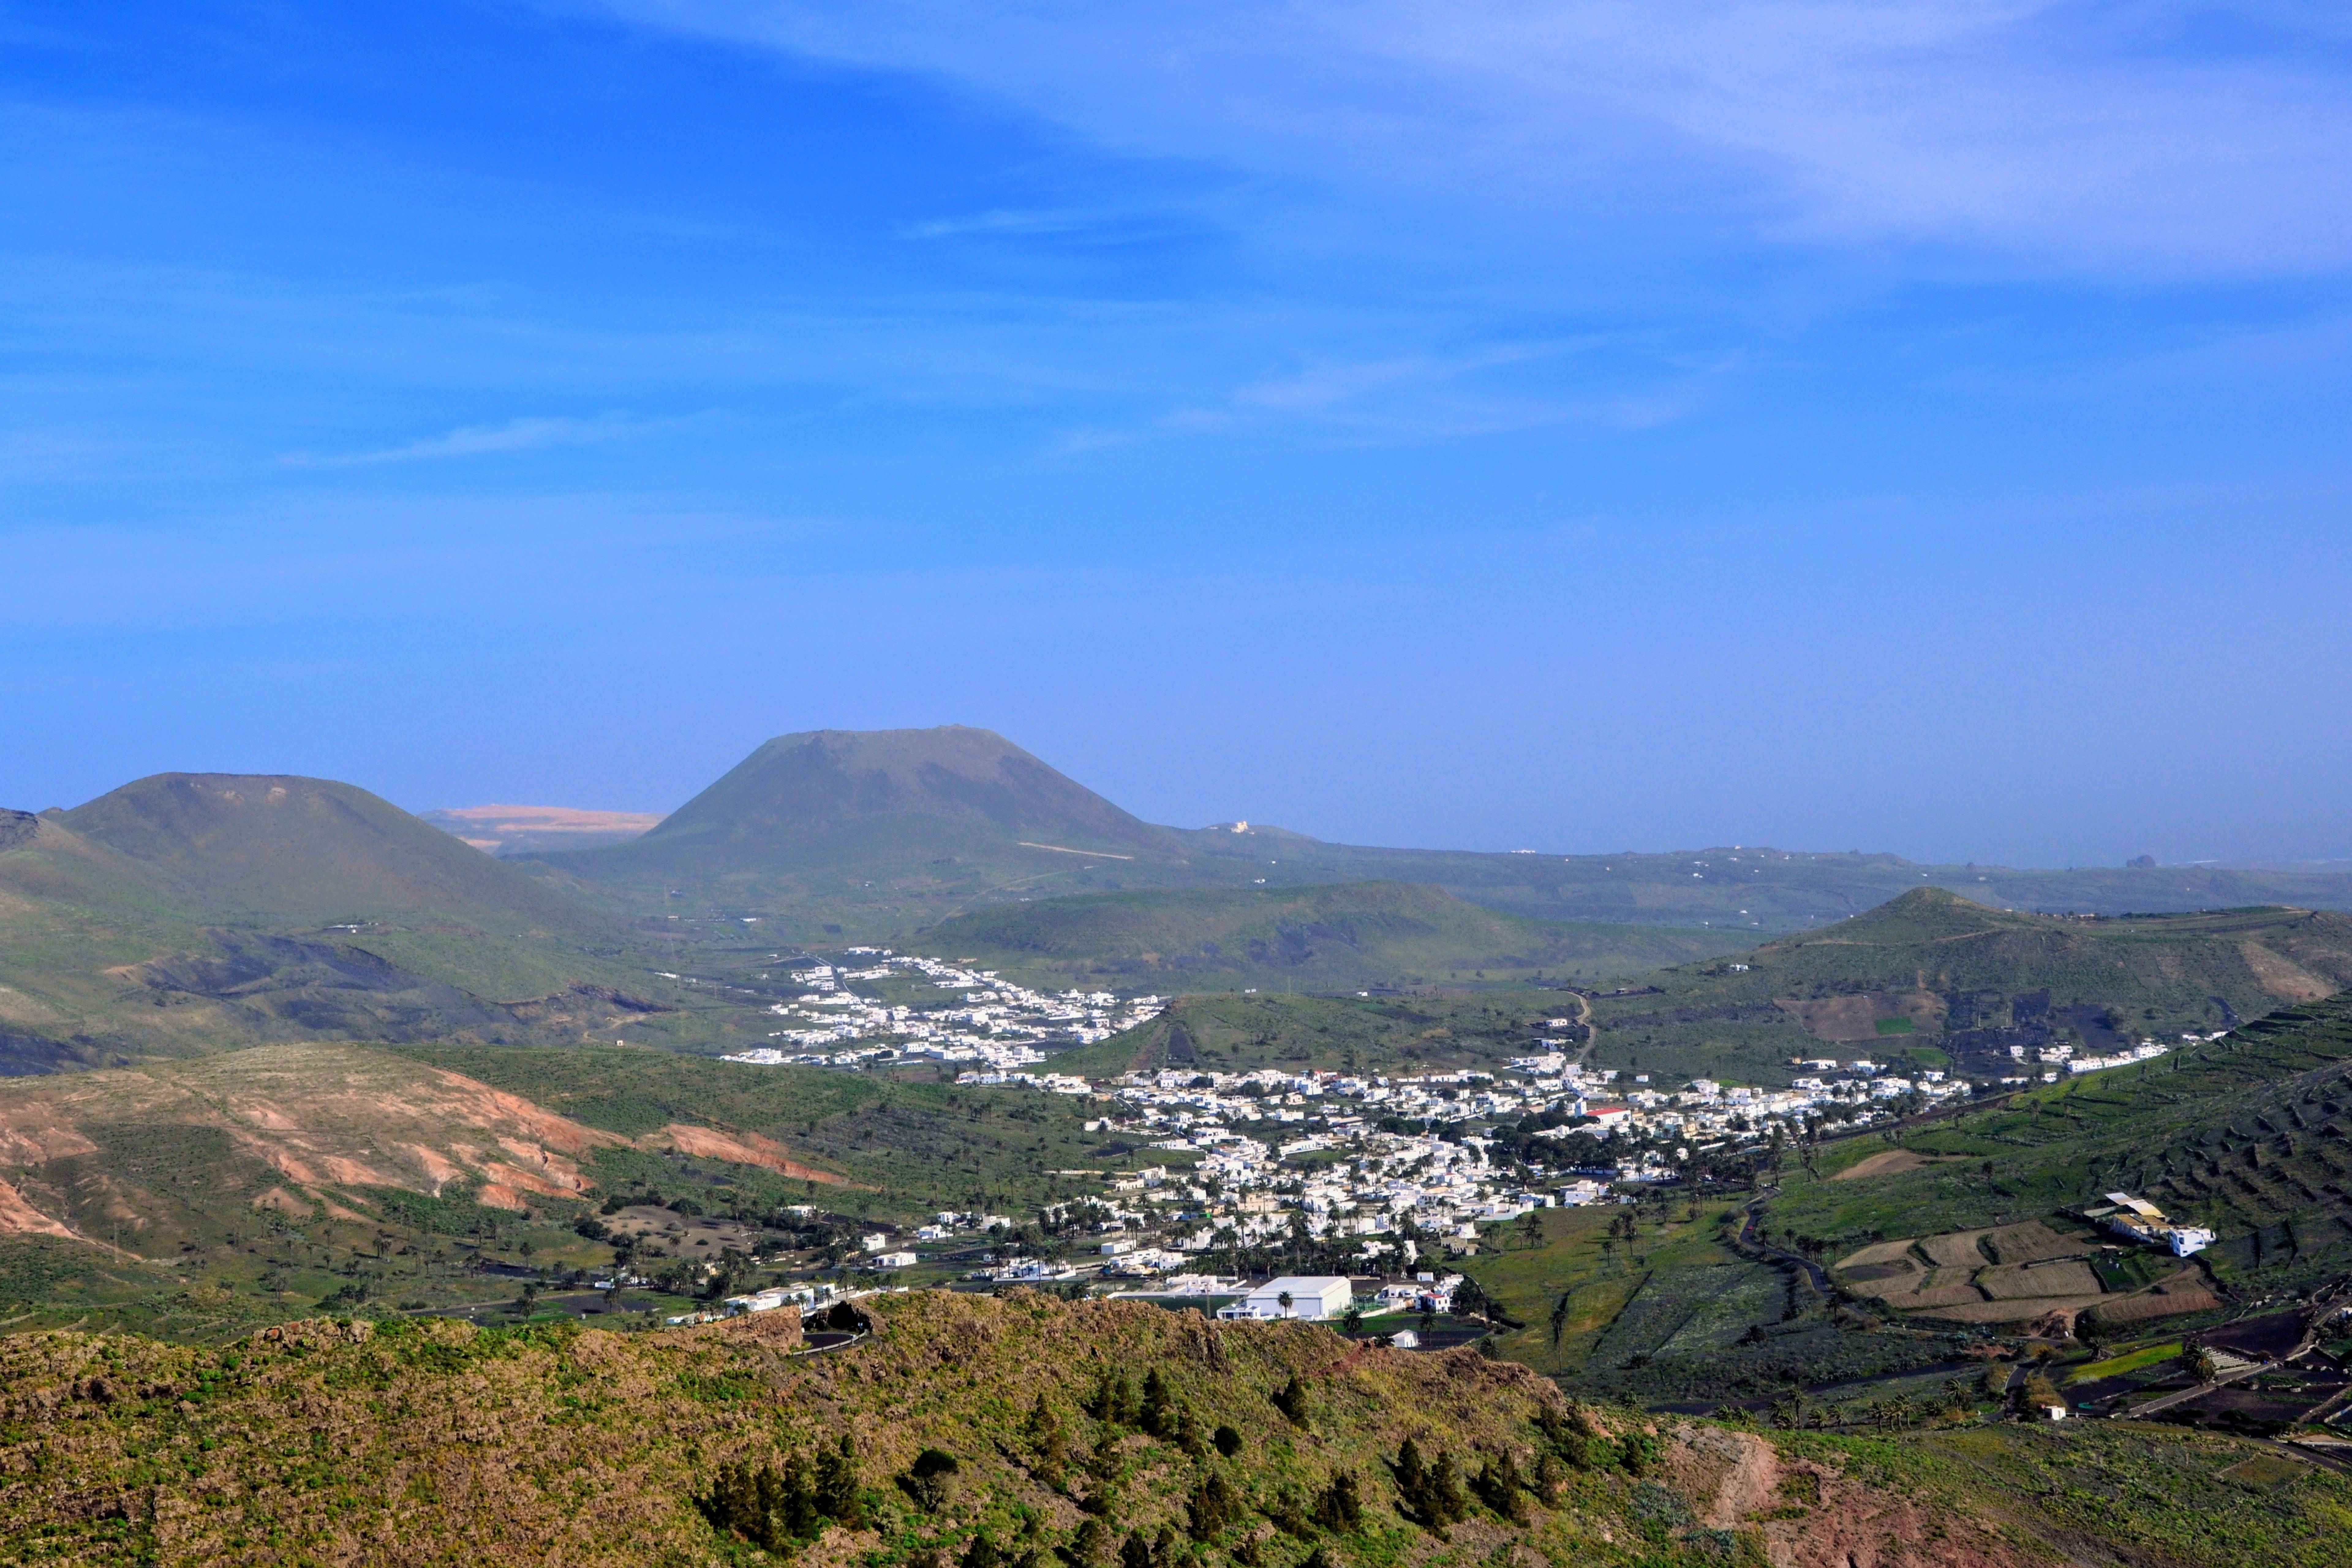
x=1346, y=1179
x=996, y=1026
x=1256, y=1178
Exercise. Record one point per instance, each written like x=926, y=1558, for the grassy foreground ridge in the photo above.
x=429, y=1441
x=999, y=1433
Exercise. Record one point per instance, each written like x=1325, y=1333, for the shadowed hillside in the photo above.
x=1337, y=938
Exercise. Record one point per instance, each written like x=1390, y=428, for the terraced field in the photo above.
x=2250, y=1136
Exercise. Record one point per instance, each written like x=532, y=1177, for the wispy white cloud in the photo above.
x=1058, y=220
x=512, y=437
x=2145, y=138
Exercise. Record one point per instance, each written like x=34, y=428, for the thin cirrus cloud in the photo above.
x=2061, y=137
x=510, y=437
x=998, y=220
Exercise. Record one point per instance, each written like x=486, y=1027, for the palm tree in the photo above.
x=1285, y=1301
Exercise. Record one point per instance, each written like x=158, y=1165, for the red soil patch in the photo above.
x=742, y=1148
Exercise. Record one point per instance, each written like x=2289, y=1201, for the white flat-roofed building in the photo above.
x=1312, y=1296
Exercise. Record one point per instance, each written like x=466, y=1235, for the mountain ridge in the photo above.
x=239, y=847
x=1336, y=936
x=877, y=834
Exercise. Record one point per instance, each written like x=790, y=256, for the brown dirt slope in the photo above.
x=316, y=1117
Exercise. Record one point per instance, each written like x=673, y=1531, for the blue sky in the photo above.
x=1911, y=426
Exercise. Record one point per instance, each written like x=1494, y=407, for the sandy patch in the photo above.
x=1955, y=1249
x=33, y=1135
x=283, y=1202
x=1727, y=1476
x=262, y=1113
x=1891, y=1161
x=1890, y=1281
x=339, y=1211
x=551, y=1168
x=437, y=1170
x=2283, y=978
x=323, y=1116
x=1877, y=1252
x=499, y=1195
x=354, y=1173
x=2019, y=1280
x=742, y=1148
x=1849, y=1524
x=515, y=1180
x=19, y=1218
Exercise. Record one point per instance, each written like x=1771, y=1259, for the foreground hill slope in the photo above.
x=1342, y=937
x=975, y=1431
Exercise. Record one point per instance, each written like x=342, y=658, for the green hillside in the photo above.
x=1935, y=980
x=878, y=831
x=195, y=1197
x=1341, y=938
x=1930, y=981
x=190, y=911
x=1026, y=1430
x=1229, y=1033
x=261, y=849
x=911, y=1145
x=2245, y=1135
x=1760, y=890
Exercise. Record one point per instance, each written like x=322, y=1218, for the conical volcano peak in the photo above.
x=953, y=774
